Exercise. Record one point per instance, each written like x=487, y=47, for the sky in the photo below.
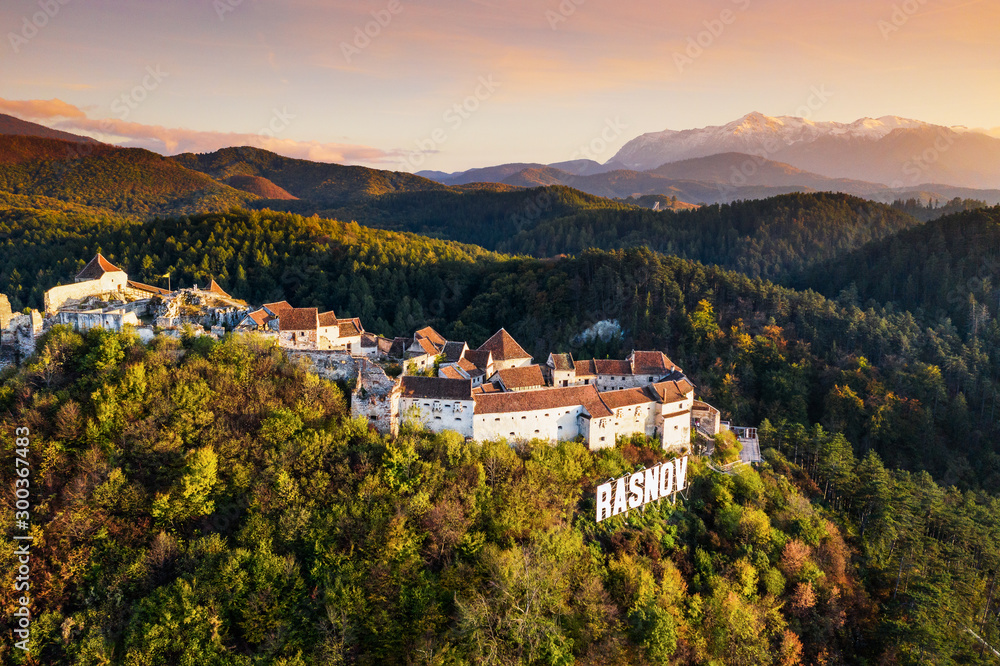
x=453, y=84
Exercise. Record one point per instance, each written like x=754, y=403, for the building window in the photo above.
x=497, y=419
x=536, y=432
x=602, y=439
x=437, y=418
x=524, y=418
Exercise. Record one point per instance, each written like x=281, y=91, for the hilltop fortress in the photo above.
x=493, y=391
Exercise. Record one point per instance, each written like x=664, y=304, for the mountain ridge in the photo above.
x=889, y=150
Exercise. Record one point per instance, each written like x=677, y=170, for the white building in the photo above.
x=661, y=411
x=440, y=404
x=555, y=414
x=97, y=278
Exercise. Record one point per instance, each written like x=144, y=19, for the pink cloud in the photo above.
x=40, y=109
x=173, y=140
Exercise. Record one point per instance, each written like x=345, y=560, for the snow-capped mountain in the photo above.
x=890, y=150
x=753, y=133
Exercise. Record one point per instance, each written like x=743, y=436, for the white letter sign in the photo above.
x=639, y=488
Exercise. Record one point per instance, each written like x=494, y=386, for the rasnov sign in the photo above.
x=634, y=490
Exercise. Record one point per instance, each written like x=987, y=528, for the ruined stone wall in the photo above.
x=376, y=398
x=111, y=321
x=334, y=366
x=57, y=296
x=28, y=330
x=5, y=313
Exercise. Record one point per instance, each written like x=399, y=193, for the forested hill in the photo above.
x=768, y=238
x=129, y=181
x=211, y=503
x=946, y=268
x=323, y=185
x=761, y=238
x=207, y=503
x=919, y=395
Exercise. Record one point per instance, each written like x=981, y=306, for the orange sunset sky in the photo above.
x=532, y=81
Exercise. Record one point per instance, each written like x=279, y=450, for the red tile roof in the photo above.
x=427, y=346
x=504, y=347
x=350, y=328
x=672, y=391
x=528, y=401
x=214, y=287
x=606, y=366
x=278, y=308
x=432, y=335
x=299, y=319
x=486, y=388
x=561, y=361
x=328, y=318
x=480, y=357
x=139, y=286
x=651, y=363
x=453, y=351
x=437, y=388
x=522, y=378
x=450, y=372
x=97, y=267
x=626, y=397
x=259, y=317
x=584, y=368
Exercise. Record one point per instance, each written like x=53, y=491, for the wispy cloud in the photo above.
x=40, y=109
x=173, y=140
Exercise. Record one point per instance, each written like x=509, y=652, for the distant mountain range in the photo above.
x=707, y=166
x=758, y=156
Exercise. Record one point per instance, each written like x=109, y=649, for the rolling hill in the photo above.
x=130, y=181
x=11, y=126
x=948, y=267
x=717, y=178
x=322, y=184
